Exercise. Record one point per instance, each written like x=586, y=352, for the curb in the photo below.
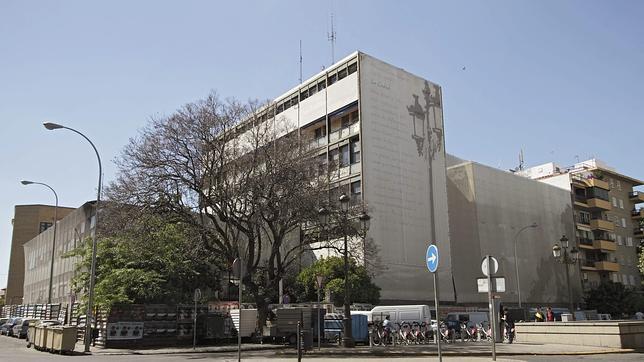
x=189, y=351
x=458, y=353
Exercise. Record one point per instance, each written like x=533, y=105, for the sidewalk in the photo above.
x=472, y=349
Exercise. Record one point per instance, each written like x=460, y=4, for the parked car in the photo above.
x=404, y=313
x=7, y=328
x=3, y=323
x=20, y=329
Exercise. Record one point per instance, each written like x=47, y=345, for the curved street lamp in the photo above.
x=92, y=280
x=53, y=244
x=343, y=212
x=516, y=261
x=567, y=258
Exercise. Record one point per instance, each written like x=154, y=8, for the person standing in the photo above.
x=538, y=316
x=550, y=315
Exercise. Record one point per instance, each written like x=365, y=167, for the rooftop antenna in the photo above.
x=300, y=61
x=332, y=37
x=521, y=160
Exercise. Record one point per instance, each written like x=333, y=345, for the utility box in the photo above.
x=247, y=324
x=63, y=338
x=566, y=317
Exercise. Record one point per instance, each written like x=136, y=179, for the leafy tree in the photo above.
x=362, y=289
x=241, y=178
x=146, y=260
x=613, y=298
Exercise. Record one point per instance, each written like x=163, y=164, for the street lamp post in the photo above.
x=567, y=258
x=343, y=221
x=53, y=243
x=516, y=261
x=319, y=279
x=92, y=280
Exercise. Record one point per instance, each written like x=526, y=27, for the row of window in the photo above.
x=315, y=86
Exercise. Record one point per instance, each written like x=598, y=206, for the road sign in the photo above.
x=498, y=284
x=432, y=258
x=197, y=295
x=494, y=266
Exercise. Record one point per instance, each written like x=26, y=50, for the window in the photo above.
x=356, y=188
x=321, y=85
x=333, y=78
x=619, y=240
x=304, y=94
x=621, y=203
x=614, y=201
x=632, y=277
x=624, y=279
x=355, y=151
x=353, y=67
x=595, y=192
x=44, y=226
x=623, y=222
x=583, y=217
x=629, y=240
x=611, y=183
x=619, y=185
x=342, y=73
x=313, y=89
x=344, y=155
x=615, y=278
x=320, y=132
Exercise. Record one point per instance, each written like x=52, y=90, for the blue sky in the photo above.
x=557, y=78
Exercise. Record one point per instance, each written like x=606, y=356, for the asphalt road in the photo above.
x=12, y=349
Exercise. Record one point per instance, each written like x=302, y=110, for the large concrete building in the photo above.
x=28, y=221
x=76, y=226
x=383, y=127
x=489, y=211
x=608, y=222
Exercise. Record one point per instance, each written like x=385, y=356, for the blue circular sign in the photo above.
x=432, y=258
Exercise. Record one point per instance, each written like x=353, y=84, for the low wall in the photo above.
x=613, y=334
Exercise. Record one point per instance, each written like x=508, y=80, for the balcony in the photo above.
x=639, y=231
x=599, y=224
x=598, y=203
x=607, y=266
x=636, y=197
x=605, y=245
x=595, y=182
x=588, y=265
x=344, y=132
x=585, y=243
x=317, y=143
x=637, y=214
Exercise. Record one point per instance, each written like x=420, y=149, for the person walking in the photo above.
x=550, y=315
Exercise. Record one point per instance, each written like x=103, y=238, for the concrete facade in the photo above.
x=487, y=209
x=613, y=334
x=383, y=128
x=28, y=221
x=71, y=230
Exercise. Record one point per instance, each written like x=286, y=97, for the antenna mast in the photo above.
x=332, y=37
x=300, y=61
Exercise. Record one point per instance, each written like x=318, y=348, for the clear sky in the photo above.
x=559, y=79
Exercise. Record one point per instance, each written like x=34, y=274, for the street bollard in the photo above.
x=299, y=341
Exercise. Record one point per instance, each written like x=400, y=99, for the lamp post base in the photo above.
x=348, y=342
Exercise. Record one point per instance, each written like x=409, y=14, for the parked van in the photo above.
x=404, y=313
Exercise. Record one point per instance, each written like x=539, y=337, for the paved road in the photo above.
x=12, y=349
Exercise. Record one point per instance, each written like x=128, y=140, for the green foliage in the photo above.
x=150, y=261
x=615, y=299
x=362, y=289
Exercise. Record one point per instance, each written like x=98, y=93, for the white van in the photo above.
x=404, y=313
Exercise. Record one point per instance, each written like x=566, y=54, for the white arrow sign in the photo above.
x=431, y=258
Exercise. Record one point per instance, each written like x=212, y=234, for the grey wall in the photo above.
x=487, y=207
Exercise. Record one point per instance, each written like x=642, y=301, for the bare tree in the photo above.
x=231, y=171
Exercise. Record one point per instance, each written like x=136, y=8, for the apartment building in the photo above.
x=28, y=221
x=607, y=215
x=71, y=230
x=382, y=128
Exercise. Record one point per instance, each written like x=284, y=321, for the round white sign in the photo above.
x=494, y=267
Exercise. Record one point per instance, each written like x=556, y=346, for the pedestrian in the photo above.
x=550, y=315
x=639, y=315
x=538, y=316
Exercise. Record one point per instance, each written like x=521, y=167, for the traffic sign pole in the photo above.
x=490, y=269
x=431, y=258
